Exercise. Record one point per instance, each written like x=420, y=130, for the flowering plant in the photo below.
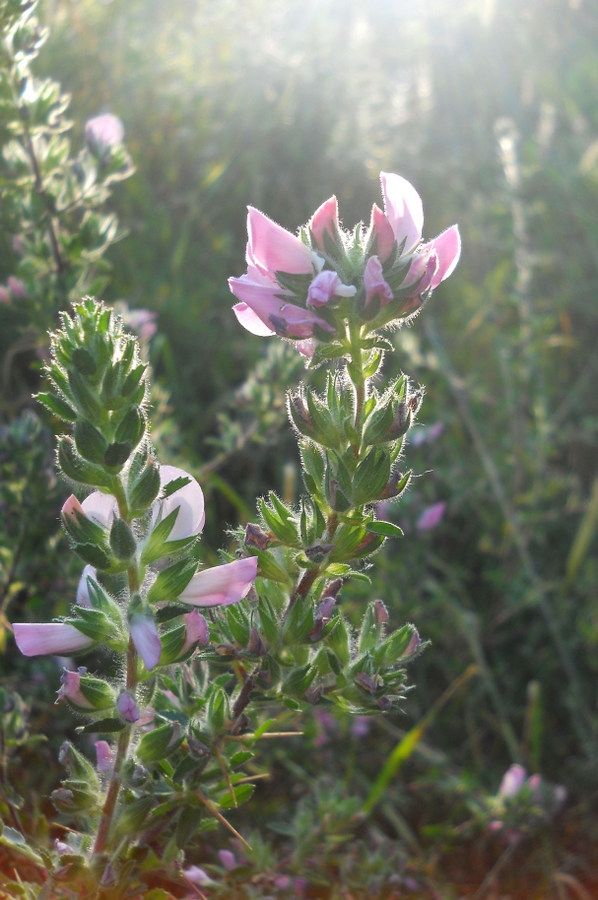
x=176, y=720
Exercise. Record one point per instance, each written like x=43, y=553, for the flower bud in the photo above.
x=104, y=757
x=255, y=537
x=84, y=692
x=127, y=707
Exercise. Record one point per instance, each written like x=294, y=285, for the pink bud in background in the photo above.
x=431, y=517
x=103, y=132
x=5, y=296
x=227, y=859
x=127, y=707
x=17, y=288
x=512, y=781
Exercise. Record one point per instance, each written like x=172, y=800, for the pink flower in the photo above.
x=143, y=321
x=325, y=286
x=103, y=132
x=221, y=585
x=404, y=213
x=17, y=288
x=325, y=219
x=189, y=501
x=264, y=309
x=228, y=859
x=431, y=517
x=58, y=638
x=70, y=689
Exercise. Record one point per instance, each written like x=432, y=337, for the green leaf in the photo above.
x=387, y=529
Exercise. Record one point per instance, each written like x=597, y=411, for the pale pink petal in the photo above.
x=188, y=500
x=287, y=319
x=404, y=209
x=273, y=249
x=324, y=219
x=448, y=247
x=82, y=598
x=144, y=634
x=381, y=228
x=100, y=507
x=59, y=638
x=422, y=271
x=251, y=321
x=221, y=585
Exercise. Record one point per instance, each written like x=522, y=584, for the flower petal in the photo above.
x=374, y=283
x=448, y=247
x=381, y=229
x=144, y=634
x=324, y=219
x=39, y=639
x=251, y=321
x=404, y=209
x=188, y=500
x=100, y=507
x=82, y=598
x=221, y=585
x=273, y=249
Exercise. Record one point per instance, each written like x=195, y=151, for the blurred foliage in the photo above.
x=491, y=112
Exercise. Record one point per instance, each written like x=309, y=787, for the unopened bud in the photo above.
x=256, y=645
x=255, y=537
x=300, y=415
x=366, y=681
x=380, y=612
x=127, y=707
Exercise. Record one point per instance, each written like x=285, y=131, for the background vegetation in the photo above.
x=489, y=108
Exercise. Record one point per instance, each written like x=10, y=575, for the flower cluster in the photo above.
x=306, y=287
x=183, y=512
